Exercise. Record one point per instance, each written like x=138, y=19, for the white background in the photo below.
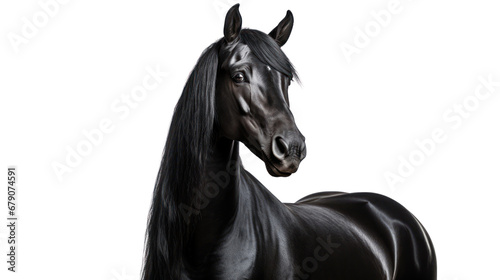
x=358, y=118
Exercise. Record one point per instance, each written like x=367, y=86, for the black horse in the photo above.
x=211, y=219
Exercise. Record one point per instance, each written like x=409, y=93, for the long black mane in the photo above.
x=181, y=167
x=188, y=143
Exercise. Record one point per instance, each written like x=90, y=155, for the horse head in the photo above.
x=251, y=96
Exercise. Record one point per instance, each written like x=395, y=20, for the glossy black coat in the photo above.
x=211, y=219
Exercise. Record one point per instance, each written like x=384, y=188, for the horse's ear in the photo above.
x=282, y=32
x=232, y=24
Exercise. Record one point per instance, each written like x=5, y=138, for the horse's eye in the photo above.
x=239, y=77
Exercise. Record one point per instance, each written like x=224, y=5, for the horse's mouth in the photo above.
x=272, y=169
x=270, y=166
x=275, y=172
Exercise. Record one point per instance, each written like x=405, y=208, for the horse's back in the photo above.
x=395, y=245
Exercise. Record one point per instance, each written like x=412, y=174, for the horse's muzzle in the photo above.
x=287, y=151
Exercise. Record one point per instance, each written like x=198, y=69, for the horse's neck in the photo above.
x=231, y=198
x=217, y=199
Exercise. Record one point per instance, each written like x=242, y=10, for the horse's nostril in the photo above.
x=280, y=148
